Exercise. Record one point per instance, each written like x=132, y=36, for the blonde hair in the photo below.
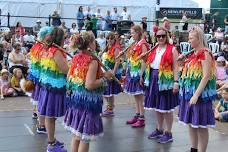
x=138, y=30
x=199, y=35
x=166, y=32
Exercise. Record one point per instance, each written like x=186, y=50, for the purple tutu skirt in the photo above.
x=132, y=85
x=113, y=89
x=161, y=101
x=83, y=123
x=51, y=102
x=200, y=115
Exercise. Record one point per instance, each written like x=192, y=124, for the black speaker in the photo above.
x=124, y=26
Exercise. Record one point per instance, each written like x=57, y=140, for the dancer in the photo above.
x=197, y=91
x=161, y=81
x=51, y=100
x=34, y=73
x=132, y=85
x=109, y=61
x=86, y=84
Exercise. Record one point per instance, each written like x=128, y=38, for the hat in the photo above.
x=38, y=21
x=220, y=59
x=165, y=19
x=144, y=17
x=4, y=71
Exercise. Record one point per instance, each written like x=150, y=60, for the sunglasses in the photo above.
x=161, y=36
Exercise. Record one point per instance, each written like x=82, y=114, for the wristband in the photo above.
x=176, y=81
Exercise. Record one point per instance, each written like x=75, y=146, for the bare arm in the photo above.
x=143, y=62
x=117, y=61
x=175, y=64
x=61, y=62
x=91, y=81
x=217, y=107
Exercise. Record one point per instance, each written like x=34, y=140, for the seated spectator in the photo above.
x=101, y=40
x=63, y=26
x=2, y=50
x=17, y=59
x=5, y=85
x=219, y=36
x=73, y=29
x=221, y=110
x=29, y=40
x=17, y=38
x=15, y=81
x=221, y=68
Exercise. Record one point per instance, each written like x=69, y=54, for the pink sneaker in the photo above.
x=139, y=123
x=132, y=121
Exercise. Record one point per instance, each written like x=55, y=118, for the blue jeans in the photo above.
x=224, y=117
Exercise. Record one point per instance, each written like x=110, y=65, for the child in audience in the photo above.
x=15, y=81
x=221, y=70
x=221, y=110
x=6, y=89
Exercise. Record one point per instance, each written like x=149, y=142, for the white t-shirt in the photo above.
x=125, y=15
x=115, y=17
x=73, y=31
x=156, y=63
x=29, y=38
x=17, y=57
x=102, y=43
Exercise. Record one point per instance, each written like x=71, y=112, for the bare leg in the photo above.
x=41, y=121
x=83, y=147
x=75, y=143
x=203, y=137
x=139, y=104
x=169, y=121
x=50, y=125
x=160, y=119
x=193, y=137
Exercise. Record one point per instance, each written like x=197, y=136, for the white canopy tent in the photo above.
x=69, y=8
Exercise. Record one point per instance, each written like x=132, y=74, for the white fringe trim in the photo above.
x=134, y=93
x=84, y=137
x=194, y=126
x=111, y=95
x=161, y=111
x=34, y=102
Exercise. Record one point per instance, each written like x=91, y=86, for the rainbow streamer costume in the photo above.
x=200, y=114
x=108, y=59
x=165, y=74
x=192, y=75
x=34, y=66
x=159, y=82
x=132, y=85
x=53, y=82
x=84, y=106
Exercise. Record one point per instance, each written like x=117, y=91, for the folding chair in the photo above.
x=185, y=47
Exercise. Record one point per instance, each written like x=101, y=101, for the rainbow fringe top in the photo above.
x=51, y=76
x=81, y=97
x=191, y=76
x=34, y=66
x=108, y=59
x=165, y=74
x=134, y=52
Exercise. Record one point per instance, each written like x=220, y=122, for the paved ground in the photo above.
x=17, y=131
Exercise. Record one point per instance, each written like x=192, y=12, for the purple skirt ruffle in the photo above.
x=36, y=92
x=113, y=89
x=200, y=115
x=51, y=103
x=132, y=85
x=83, y=123
x=161, y=101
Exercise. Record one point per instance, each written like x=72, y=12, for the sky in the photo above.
x=203, y=3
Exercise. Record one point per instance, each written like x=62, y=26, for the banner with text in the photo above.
x=177, y=13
